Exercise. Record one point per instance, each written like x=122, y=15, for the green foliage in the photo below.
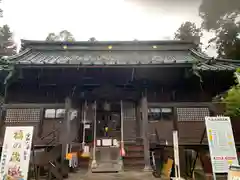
x=7, y=48
x=227, y=40
x=92, y=39
x=62, y=36
x=215, y=12
x=232, y=100
x=188, y=31
x=238, y=70
x=7, y=45
x=1, y=11
x=223, y=16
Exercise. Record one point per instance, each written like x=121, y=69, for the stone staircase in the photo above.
x=134, y=158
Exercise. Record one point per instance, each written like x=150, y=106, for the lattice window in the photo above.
x=160, y=113
x=54, y=113
x=192, y=114
x=22, y=115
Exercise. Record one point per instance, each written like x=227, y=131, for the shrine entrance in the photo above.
x=108, y=120
x=107, y=137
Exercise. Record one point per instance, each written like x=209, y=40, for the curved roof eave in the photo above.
x=205, y=57
x=21, y=53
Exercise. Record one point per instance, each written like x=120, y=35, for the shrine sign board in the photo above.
x=221, y=143
x=16, y=152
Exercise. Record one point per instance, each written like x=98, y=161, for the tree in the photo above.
x=1, y=11
x=215, y=12
x=52, y=37
x=62, y=36
x=7, y=45
x=92, y=39
x=188, y=31
x=232, y=100
x=223, y=17
x=227, y=40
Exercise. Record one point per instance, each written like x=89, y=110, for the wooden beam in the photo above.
x=32, y=105
x=89, y=66
x=182, y=104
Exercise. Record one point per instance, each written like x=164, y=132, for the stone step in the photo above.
x=134, y=147
x=107, y=167
x=133, y=161
x=134, y=154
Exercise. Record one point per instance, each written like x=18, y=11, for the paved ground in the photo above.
x=129, y=175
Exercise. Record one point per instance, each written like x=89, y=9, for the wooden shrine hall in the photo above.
x=112, y=95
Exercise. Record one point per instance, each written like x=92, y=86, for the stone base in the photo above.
x=94, y=164
x=147, y=168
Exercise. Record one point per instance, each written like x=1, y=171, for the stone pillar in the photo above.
x=144, y=110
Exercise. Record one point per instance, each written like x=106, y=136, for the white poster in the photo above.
x=16, y=153
x=221, y=143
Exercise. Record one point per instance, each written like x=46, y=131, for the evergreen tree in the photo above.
x=62, y=36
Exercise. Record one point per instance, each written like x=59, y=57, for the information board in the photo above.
x=221, y=143
x=16, y=153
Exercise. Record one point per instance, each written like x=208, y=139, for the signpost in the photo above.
x=16, y=152
x=221, y=144
x=176, y=154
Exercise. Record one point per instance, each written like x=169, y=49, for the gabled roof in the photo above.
x=118, y=53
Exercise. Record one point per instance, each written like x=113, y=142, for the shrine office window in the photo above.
x=160, y=113
x=54, y=113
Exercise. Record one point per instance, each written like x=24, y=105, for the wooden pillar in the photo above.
x=144, y=109
x=66, y=128
x=138, y=122
x=175, y=119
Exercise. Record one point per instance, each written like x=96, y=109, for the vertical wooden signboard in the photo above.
x=16, y=152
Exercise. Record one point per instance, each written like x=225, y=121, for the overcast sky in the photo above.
x=102, y=19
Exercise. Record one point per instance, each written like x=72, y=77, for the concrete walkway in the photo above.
x=128, y=175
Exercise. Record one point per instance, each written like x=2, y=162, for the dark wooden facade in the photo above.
x=164, y=85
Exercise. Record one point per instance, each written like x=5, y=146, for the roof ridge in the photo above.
x=21, y=53
x=200, y=54
x=38, y=42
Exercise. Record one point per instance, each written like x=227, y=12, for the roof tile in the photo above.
x=106, y=57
